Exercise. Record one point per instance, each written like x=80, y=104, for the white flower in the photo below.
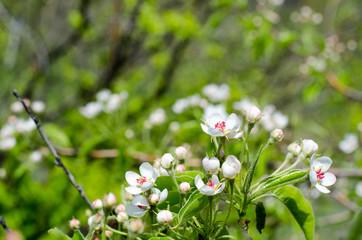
x=211, y=165
x=231, y=167
x=167, y=161
x=91, y=110
x=141, y=183
x=7, y=131
x=181, y=152
x=273, y=119
x=35, y=156
x=122, y=217
x=157, y=197
x=139, y=206
x=164, y=217
x=253, y=114
x=243, y=105
x=38, y=106
x=217, y=126
x=97, y=204
x=309, y=147
x=349, y=144
x=7, y=143
x=103, y=95
x=113, y=103
x=16, y=107
x=213, y=109
x=318, y=175
x=180, y=105
x=110, y=200
x=216, y=93
x=212, y=187
x=158, y=117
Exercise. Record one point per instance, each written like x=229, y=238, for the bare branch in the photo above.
x=57, y=161
x=3, y=224
x=349, y=92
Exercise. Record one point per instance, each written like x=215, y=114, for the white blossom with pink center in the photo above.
x=318, y=175
x=217, y=126
x=212, y=187
x=143, y=182
x=139, y=206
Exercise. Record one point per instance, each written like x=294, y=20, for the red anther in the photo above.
x=220, y=126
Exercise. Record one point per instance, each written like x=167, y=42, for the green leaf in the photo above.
x=56, y=135
x=57, y=234
x=194, y=204
x=160, y=238
x=355, y=231
x=260, y=216
x=163, y=182
x=77, y=235
x=299, y=207
x=188, y=176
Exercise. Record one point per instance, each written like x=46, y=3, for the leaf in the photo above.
x=56, y=135
x=77, y=235
x=160, y=238
x=194, y=204
x=163, y=182
x=299, y=207
x=355, y=231
x=260, y=216
x=188, y=176
x=57, y=234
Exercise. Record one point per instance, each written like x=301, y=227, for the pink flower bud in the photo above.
x=136, y=226
x=129, y=196
x=97, y=204
x=74, y=223
x=120, y=208
x=122, y=217
x=253, y=114
x=110, y=200
x=309, y=147
x=185, y=187
x=180, y=152
x=294, y=148
x=164, y=217
x=108, y=233
x=276, y=135
x=153, y=199
x=167, y=161
x=211, y=165
x=179, y=168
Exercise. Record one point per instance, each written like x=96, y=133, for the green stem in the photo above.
x=170, y=172
x=261, y=196
x=230, y=207
x=300, y=158
x=286, y=161
x=211, y=198
x=116, y=231
x=151, y=216
x=104, y=237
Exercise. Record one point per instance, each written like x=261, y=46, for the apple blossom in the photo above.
x=108, y=233
x=211, y=165
x=167, y=161
x=109, y=200
x=318, y=175
x=276, y=135
x=120, y=208
x=231, y=167
x=74, y=223
x=143, y=182
x=185, y=187
x=122, y=217
x=253, y=114
x=38, y=106
x=180, y=152
x=157, y=196
x=164, y=217
x=309, y=147
x=349, y=144
x=212, y=187
x=139, y=206
x=294, y=148
x=217, y=126
x=136, y=225
x=179, y=168
x=97, y=204
x=216, y=93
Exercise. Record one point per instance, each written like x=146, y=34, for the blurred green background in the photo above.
x=304, y=57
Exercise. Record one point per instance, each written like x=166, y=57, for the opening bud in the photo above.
x=153, y=199
x=179, y=168
x=253, y=114
x=180, y=152
x=136, y=226
x=122, y=217
x=185, y=187
x=97, y=204
x=211, y=165
x=110, y=200
x=231, y=167
x=167, y=161
x=120, y=208
x=309, y=147
x=74, y=223
x=164, y=217
x=276, y=135
x=294, y=148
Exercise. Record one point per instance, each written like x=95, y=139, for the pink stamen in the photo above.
x=320, y=174
x=141, y=180
x=210, y=183
x=142, y=207
x=220, y=126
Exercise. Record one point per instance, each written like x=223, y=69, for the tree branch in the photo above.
x=57, y=161
x=342, y=88
x=3, y=224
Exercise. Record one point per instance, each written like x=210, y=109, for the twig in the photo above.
x=57, y=161
x=3, y=224
x=339, y=197
x=342, y=88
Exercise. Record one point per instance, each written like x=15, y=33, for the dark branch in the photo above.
x=57, y=161
x=3, y=224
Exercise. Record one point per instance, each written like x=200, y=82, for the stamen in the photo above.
x=320, y=174
x=210, y=183
x=141, y=180
x=220, y=126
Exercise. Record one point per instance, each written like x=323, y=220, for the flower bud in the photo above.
x=164, y=217
x=97, y=204
x=122, y=217
x=185, y=187
x=110, y=200
x=276, y=135
x=157, y=163
x=129, y=196
x=231, y=167
x=136, y=226
x=253, y=114
x=120, y=208
x=153, y=199
x=309, y=147
x=108, y=233
x=180, y=152
x=179, y=168
x=294, y=148
x=74, y=223
x=167, y=160
x=211, y=165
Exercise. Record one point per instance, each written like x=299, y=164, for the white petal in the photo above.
x=324, y=162
x=131, y=178
x=207, y=190
x=147, y=185
x=215, y=179
x=232, y=123
x=140, y=200
x=198, y=182
x=133, y=190
x=146, y=170
x=214, y=132
x=135, y=211
x=312, y=159
x=220, y=189
x=322, y=188
x=154, y=175
x=204, y=128
x=156, y=191
x=213, y=119
x=329, y=179
x=313, y=177
x=163, y=195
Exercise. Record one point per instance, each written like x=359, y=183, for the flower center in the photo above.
x=220, y=126
x=210, y=184
x=141, y=180
x=320, y=174
x=142, y=207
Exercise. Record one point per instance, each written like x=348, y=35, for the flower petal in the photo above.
x=198, y=182
x=204, y=128
x=322, y=188
x=163, y=195
x=140, y=200
x=214, y=132
x=313, y=177
x=156, y=191
x=213, y=119
x=207, y=190
x=131, y=178
x=133, y=190
x=324, y=162
x=147, y=170
x=135, y=211
x=147, y=185
x=215, y=179
x=232, y=123
x=220, y=189
x=328, y=180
